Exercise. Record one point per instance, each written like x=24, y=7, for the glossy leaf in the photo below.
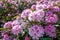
x=46, y=38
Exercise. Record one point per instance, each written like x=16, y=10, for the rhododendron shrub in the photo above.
x=41, y=21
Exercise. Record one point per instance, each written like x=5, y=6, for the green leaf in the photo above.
x=1, y=29
x=46, y=38
x=58, y=14
x=8, y=17
x=1, y=9
x=21, y=8
x=3, y=0
x=58, y=22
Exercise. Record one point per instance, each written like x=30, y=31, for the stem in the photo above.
x=17, y=37
x=51, y=38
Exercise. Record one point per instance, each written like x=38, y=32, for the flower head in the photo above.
x=51, y=31
x=26, y=13
x=49, y=13
x=37, y=15
x=24, y=24
x=36, y=31
x=17, y=29
x=33, y=7
x=27, y=38
x=42, y=6
x=7, y=37
x=8, y=24
x=15, y=22
x=51, y=19
x=56, y=9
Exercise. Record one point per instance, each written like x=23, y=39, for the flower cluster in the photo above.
x=37, y=21
x=26, y=13
x=8, y=25
x=50, y=30
x=37, y=15
x=7, y=37
x=51, y=18
x=17, y=29
x=36, y=31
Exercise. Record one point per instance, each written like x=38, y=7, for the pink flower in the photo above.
x=7, y=37
x=51, y=19
x=56, y=9
x=8, y=24
x=17, y=29
x=1, y=3
x=36, y=31
x=24, y=24
x=27, y=38
x=37, y=15
x=13, y=2
x=33, y=7
x=28, y=1
x=41, y=6
x=50, y=30
x=14, y=39
x=15, y=22
x=25, y=13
